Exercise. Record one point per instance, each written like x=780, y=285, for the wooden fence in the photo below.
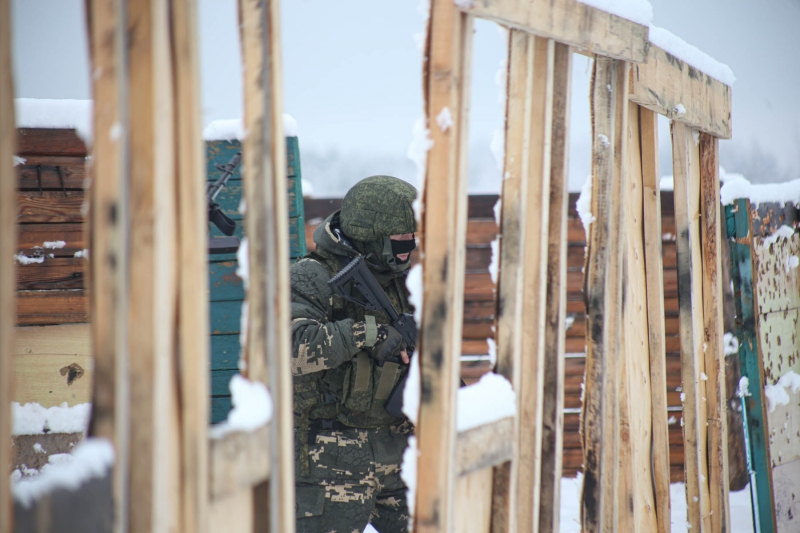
x=150, y=320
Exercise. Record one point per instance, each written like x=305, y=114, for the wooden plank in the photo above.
x=473, y=496
x=446, y=85
x=484, y=446
x=51, y=380
x=232, y=513
x=237, y=461
x=603, y=303
x=52, y=274
x=686, y=168
x=637, y=341
x=268, y=344
x=109, y=243
x=553, y=373
x=41, y=308
x=45, y=141
x=8, y=230
x=529, y=365
x=32, y=236
x=152, y=317
x=49, y=206
x=740, y=233
x=73, y=339
x=717, y=397
x=678, y=90
x=43, y=170
x=653, y=255
x=193, y=304
x=512, y=255
x=569, y=22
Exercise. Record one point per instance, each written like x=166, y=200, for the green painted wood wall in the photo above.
x=226, y=292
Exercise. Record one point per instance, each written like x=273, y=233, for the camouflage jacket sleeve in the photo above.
x=317, y=343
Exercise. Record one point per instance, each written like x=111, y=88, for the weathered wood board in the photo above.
x=778, y=286
x=473, y=502
x=786, y=481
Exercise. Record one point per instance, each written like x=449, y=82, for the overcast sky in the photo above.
x=352, y=72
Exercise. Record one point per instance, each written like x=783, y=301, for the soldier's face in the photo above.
x=402, y=237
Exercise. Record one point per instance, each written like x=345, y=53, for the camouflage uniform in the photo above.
x=348, y=449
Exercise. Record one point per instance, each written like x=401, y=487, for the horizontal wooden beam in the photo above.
x=237, y=461
x=484, y=446
x=676, y=89
x=569, y=22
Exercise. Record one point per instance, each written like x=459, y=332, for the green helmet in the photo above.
x=374, y=209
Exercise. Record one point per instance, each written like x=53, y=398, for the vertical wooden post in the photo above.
x=636, y=335
x=604, y=300
x=716, y=399
x=654, y=271
x=155, y=422
x=531, y=363
x=512, y=252
x=686, y=168
x=444, y=224
x=553, y=372
x=264, y=176
x=8, y=244
x=109, y=240
x=193, y=349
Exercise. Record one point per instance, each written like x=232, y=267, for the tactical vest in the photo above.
x=355, y=392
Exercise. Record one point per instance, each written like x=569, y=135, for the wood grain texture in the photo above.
x=473, y=497
x=656, y=327
x=663, y=83
x=233, y=513
x=109, y=243
x=513, y=222
x=716, y=403
x=237, y=461
x=268, y=343
x=686, y=167
x=636, y=335
x=446, y=84
x=49, y=206
x=41, y=141
x=43, y=170
x=8, y=237
x=193, y=303
x=554, y=341
x=484, y=446
x=569, y=22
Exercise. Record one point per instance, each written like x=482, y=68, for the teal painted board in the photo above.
x=225, y=288
x=225, y=352
x=750, y=360
x=220, y=407
x=224, y=284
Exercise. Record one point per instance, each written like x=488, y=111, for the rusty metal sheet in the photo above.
x=777, y=273
x=767, y=217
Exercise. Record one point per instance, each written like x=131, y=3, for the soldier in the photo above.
x=348, y=449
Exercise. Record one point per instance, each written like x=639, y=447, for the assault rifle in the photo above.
x=225, y=224
x=357, y=275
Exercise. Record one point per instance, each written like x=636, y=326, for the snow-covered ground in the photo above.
x=741, y=510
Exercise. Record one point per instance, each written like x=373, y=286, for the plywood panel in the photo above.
x=786, y=479
x=778, y=283
x=779, y=333
x=473, y=502
x=51, y=380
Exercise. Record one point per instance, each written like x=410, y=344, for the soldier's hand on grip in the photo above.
x=389, y=344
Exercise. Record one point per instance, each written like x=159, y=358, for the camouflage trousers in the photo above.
x=353, y=479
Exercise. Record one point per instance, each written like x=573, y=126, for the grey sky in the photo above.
x=352, y=73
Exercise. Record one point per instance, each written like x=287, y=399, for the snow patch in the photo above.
x=730, y=344
x=414, y=286
x=494, y=265
x=421, y=143
x=444, y=119
x=784, y=232
x=680, y=110
x=54, y=245
x=584, y=206
x=492, y=351
x=603, y=140
x=408, y=473
x=498, y=210
x=38, y=448
x=744, y=387
x=411, y=392
x=666, y=183
x=243, y=262
x=252, y=407
x=82, y=253
x=778, y=394
x=488, y=400
x=244, y=321
x=736, y=186
x=91, y=458
x=232, y=129
x=687, y=53
x=23, y=259
x=464, y=4
x=308, y=188
x=19, y=160
x=638, y=11
x=34, y=419
x=56, y=114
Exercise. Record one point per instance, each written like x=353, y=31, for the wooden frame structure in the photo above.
x=517, y=487
x=150, y=320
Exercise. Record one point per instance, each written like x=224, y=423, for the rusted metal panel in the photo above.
x=767, y=217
